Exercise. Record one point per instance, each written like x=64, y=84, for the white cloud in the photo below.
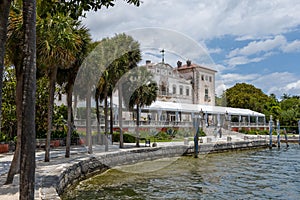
x=256, y=47
x=264, y=23
x=199, y=19
x=242, y=60
x=239, y=77
x=262, y=49
x=214, y=51
x=292, y=47
x=277, y=83
x=292, y=86
x=225, y=81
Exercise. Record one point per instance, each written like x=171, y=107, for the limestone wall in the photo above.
x=87, y=167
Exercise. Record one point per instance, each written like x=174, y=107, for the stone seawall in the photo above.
x=97, y=164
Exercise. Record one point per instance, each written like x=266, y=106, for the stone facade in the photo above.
x=189, y=83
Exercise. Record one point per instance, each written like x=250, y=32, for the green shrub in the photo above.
x=162, y=136
x=202, y=133
x=127, y=138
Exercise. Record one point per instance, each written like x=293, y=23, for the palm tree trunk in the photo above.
x=52, y=81
x=98, y=119
x=88, y=121
x=120, y=116
x=75, y=106
x=28, y=140
x=4, y=12
x=69, y=121
x=15, y=164
x=111, y=118
x=137, y=126
x=105, y=123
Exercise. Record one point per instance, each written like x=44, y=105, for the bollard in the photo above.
x=278, y=133
x=286, y=138
x=270, y=129
x=196, y=138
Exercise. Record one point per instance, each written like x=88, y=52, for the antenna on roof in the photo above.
x=162, y=55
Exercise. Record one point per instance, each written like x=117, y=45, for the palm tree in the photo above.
x=27, y=164
x=14, y=52
x=120, y=54
x=69, y=75
x=86, y=81
x=4, y=12
x=58, y=45
x=141, y=91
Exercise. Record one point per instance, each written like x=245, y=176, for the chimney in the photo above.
x=148, y=62
x=179, y=63
x=188, y=63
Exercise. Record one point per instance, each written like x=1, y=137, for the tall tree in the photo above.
x=4, y=12
x=290, y=110
x=27, y=167
x=77, y=8
x=15, y=41
x=247, y=96
x=68, y=76
x=59, y=43
x=119, y=54
x=86, y=81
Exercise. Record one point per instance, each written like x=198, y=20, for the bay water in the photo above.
x=251, y=174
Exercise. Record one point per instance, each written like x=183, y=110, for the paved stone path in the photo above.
x=43, y=169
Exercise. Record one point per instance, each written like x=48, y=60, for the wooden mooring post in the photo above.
x=278, y=133
x=299, y=130
x=270, y=131
x=286, y=138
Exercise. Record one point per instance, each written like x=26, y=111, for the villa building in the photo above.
x=189, y=83
x=185, y=92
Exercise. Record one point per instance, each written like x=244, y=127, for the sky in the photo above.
x=250, y=41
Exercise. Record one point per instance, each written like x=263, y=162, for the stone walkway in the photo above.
x=43, y=170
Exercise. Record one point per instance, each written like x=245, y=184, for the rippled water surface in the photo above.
x=255, y=174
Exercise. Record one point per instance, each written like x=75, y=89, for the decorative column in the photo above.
x=249, y=123
x=229, y=122
x=206, y=119
x=159, y=115
x=240, y=119
x=193, y=119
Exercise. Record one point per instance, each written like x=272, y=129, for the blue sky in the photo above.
x=252, y=41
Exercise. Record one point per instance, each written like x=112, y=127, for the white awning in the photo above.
x=195, y=108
